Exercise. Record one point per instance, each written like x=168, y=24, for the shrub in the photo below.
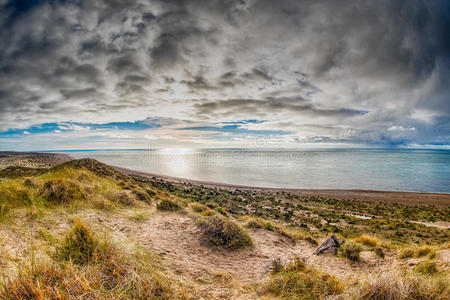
x=62, y=191
x=351, y=250
x=427, y=267
x=367, y=240
x=257, y=223
x=221, y=211
x=142, y=196
x=395, y=287
x=151, y=192
x=123, y=197
x=276, y=265
x=168, y=205
x=201, y=209
x=379, y=252
x=4, y=211
x=296, y=281
x=406, y=253
x=225, y=233
x=79, y=245
x=422, y=251
x=30, y=182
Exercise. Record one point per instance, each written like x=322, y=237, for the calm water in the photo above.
x=401, y=170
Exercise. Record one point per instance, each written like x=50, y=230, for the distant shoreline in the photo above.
x=405, y=198
x=400, y=197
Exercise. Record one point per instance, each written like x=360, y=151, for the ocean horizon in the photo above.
x=411, y=170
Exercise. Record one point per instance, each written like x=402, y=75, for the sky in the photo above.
x=111, y=74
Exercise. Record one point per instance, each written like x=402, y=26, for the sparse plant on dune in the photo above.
x=351, y=250
x=396, y=287
x=224, y=233
x=367, y=240
x=297, y=281
x=201, y=209
x=166, y=204
x=90, y=268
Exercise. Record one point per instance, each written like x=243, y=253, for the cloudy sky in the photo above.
x=205, y=73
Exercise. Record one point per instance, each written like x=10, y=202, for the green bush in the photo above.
x=351, y=250
x=225, y=233
x=168, y=205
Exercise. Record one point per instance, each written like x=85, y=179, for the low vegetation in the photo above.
x=351, y=250
x=168, y=205
x=223, y=232
x=68, y=259
x=401, y=288
x=90, y=268
x=297, y=281
x=427, y=267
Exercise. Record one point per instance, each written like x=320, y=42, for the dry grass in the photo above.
x=368, y=240
x=90, y=268
x=224, y=233
x=258, y=223
x=201, y=209
x=297, y=281
x=351, y=250
x=395, y=287
x=427, y=267
x=166, y=204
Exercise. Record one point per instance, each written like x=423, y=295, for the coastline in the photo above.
x=401, y=197
x=404, y=198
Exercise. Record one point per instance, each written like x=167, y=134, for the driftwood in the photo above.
x=331, y=244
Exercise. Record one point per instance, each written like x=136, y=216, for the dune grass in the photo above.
x=223, y=232
x=396, y=287
x=297, y=281
x=167, y=204
x=351, y=250
x=368, y=240
x=88, y=267
x=201, y=209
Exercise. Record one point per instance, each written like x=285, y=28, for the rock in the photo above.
x=331, y=244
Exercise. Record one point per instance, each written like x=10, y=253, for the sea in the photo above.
x=366, y=169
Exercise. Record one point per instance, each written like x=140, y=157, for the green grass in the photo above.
x=223, y=232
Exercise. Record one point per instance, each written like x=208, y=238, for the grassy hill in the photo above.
x=83, y=230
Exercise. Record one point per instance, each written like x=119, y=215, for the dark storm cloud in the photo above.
x=367, y=66
x=270, y=106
